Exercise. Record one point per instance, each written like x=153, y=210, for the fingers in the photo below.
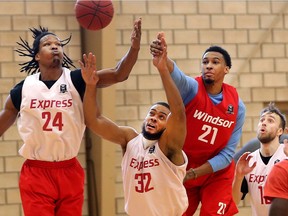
x=156, y=48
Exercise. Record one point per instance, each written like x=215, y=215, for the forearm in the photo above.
x=121, y=71
x=204, y=169
x=236, y=188
x=173, y=96
x=126, y=64
x=90, y=105
x=170, y=65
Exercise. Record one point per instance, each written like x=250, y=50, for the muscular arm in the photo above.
x=94, y=120
x=7, y=116
x=172, y=139
x=123, y=68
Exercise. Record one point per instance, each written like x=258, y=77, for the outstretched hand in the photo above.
x=155, y=46
x=158, y=49
x=88, y=69
x=136, y=34
x=243, y=167
x=161, y=61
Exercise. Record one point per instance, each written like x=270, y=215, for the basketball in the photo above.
x=94, y=14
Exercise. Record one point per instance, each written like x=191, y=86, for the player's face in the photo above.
x=269, y=127
x=155, y=121
x=50, y=51
x=213, y=67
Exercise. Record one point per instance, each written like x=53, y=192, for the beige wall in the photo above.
x=254, y=32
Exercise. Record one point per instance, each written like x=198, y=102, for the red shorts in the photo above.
x=214, y=191
x=52, y=188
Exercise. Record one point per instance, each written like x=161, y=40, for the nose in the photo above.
x=54, y=46
x=209, y=65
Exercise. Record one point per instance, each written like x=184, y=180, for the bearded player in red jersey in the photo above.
x=215, y=116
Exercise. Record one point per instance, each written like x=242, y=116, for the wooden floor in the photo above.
x=243, y=211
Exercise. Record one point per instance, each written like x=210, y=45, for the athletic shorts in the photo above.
x=52, y=188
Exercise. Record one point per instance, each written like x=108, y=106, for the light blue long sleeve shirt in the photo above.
x=188, y=88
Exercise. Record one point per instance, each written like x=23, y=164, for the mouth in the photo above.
x=208, y=74
x=262, y=130
x=150, y=126
x=55, y=52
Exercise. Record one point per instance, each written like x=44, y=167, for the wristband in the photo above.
x=194, y=173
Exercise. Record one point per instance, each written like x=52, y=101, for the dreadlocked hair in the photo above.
x=32, y=66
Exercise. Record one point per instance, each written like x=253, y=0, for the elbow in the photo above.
x=87, y=123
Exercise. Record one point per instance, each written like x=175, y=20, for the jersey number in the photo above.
x=143, y=182
x=222, y=207
x=208, y=130
x=56, y=121
x=263, y=199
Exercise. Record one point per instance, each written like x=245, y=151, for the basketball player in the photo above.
x=153, y=164
x=48, y=107
x=276, y=187
x=215, y=116
x=252, y=169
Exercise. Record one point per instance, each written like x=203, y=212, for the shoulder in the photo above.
x=130, y=133
x=16, y=94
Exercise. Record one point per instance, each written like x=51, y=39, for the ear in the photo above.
x=37, y=57
x=227, y=70
x=280, y=131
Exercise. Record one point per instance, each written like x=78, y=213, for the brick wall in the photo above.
x=16, y=18
x=254, y=32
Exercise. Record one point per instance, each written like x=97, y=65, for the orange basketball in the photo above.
x=94, y=14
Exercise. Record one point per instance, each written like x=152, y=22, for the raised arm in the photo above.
x=242, y=168
x=156, y=49
x=123, y=68
x=99, y=124
x=172, y=140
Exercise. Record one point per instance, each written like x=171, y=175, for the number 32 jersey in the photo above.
x=51, y=120
x=153, y=185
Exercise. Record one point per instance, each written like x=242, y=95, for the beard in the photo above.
x=265, y=139
x=207, y=81
x=150, y=136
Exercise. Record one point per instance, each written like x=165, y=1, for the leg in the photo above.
x=37, y=192
x=216, y=194
x=71, y=191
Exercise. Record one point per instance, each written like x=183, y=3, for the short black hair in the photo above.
x=271, y=108
x=162, y=104
x=32, y=66
x=219, y=49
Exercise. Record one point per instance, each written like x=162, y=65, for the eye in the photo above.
x=204, y=62
x=162, y=117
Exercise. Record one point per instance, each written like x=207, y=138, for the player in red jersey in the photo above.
x=215, y=116
x=276, y=187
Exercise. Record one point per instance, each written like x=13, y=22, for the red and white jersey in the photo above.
x=153, y=185
x=51, y=121
x=257, y=178
x=210, y=126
